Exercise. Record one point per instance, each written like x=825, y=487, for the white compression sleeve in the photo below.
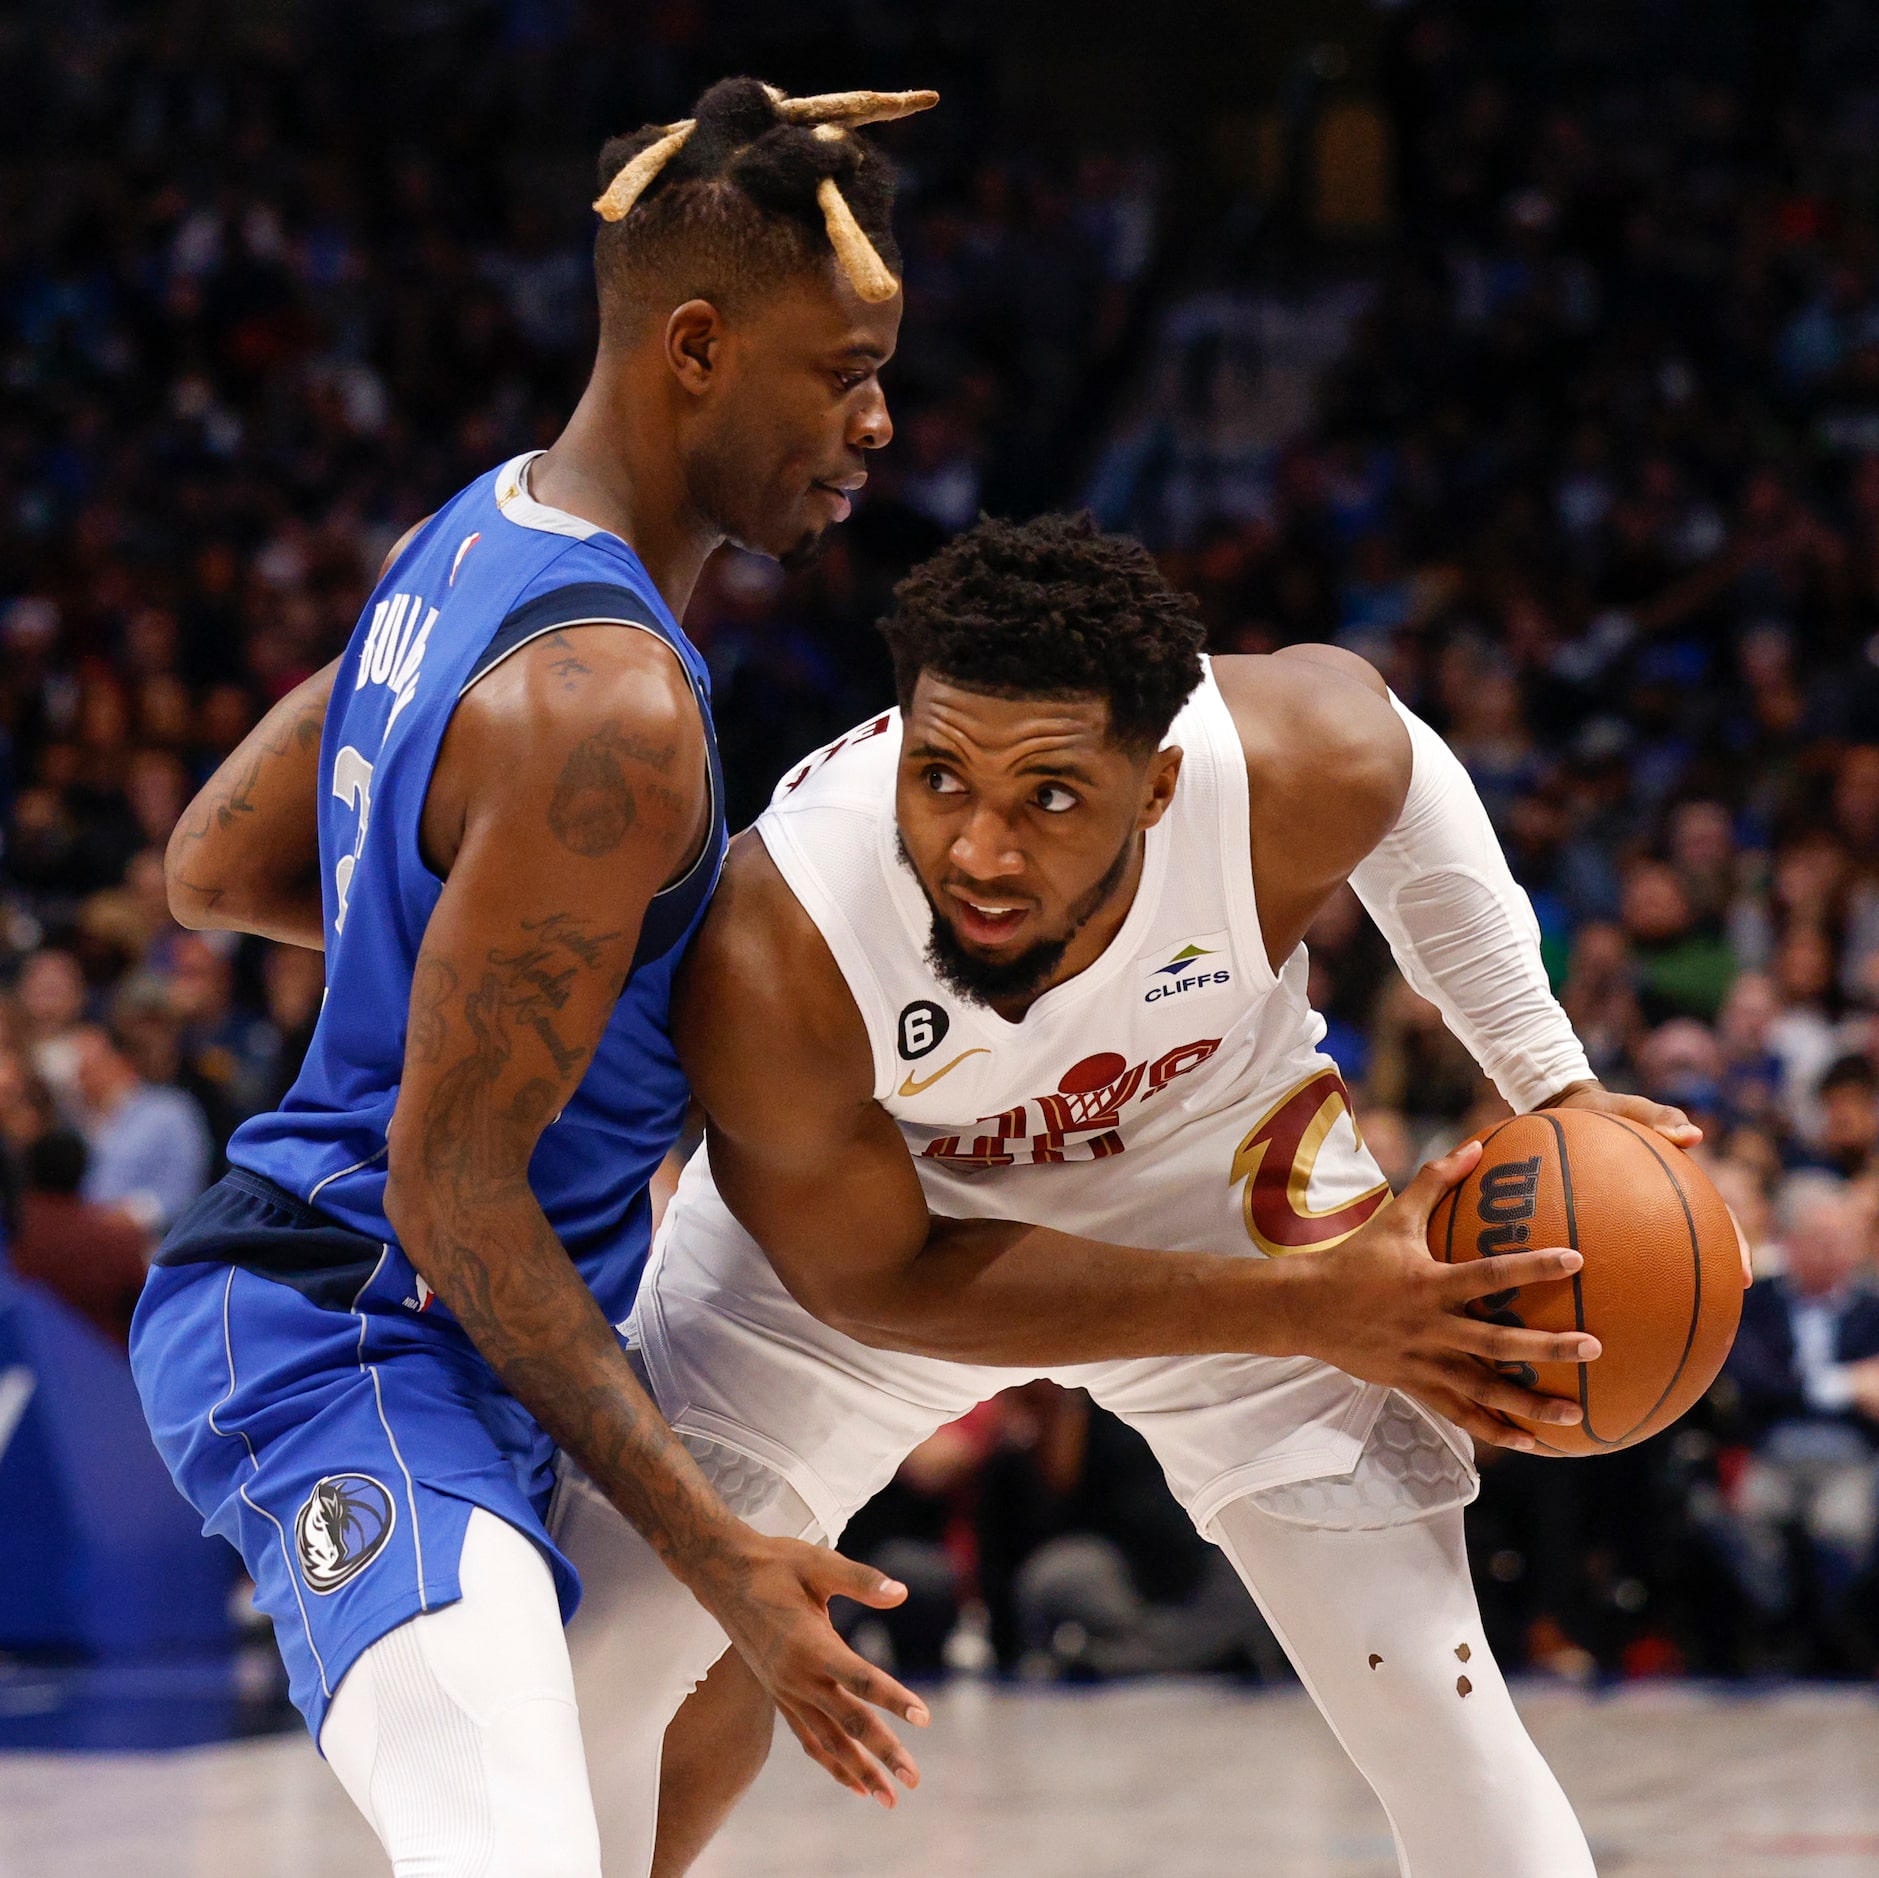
x=1462, y=930
x=456, y=1734
x=1383, y=1629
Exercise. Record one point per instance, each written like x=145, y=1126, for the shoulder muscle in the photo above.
x=591, y=730
x=1324, y=749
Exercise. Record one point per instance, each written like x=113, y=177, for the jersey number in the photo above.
x=352, y=783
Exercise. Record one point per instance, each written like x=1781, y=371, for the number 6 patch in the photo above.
x=921, y=1028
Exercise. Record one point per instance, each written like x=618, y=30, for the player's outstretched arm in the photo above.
x=245, y=857
x=1385, y=803
x=570, y=787
x=819, y=1174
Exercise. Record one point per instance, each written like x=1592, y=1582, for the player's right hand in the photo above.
x=773, y=1601
x=1382, y=1308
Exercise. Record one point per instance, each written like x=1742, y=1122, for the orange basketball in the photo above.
x=1661, y=1286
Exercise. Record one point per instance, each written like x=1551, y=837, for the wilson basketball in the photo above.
x=1661, y=1286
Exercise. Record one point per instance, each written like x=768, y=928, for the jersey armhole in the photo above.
x=844, y=944
x=1233, y=791
x=586, y=603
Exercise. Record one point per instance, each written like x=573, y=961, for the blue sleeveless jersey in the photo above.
x=489, y=572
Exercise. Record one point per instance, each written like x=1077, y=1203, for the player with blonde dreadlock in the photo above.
x=499, y=815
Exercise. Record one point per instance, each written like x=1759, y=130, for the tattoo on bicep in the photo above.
x=594, y=805
x=539, y=979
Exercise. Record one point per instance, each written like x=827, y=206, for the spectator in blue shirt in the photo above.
x=1806, y=1370
x=150, y=1148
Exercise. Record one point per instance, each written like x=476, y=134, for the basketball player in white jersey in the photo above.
x=999, y=1020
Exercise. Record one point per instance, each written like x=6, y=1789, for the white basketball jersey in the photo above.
x=1170, y=1095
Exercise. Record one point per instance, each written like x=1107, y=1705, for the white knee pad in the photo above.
x=1407, y=1471
x=457, y=1736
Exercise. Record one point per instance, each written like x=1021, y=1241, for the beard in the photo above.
x=808, y=548
x=979, y=980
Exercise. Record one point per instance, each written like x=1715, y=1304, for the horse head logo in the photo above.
x=341, y=1529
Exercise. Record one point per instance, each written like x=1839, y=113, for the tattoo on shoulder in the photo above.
x=594, y=805
x=567, y=665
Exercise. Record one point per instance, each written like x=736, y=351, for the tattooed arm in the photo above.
x=571, y=785
x=245, y=857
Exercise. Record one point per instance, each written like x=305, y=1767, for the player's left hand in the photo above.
x=1675, y=1126
x=773, y=1602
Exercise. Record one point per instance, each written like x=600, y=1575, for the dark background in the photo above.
x=1531, y=350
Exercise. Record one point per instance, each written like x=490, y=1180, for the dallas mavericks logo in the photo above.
x=341, y=1529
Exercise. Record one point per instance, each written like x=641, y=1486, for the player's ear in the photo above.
x=694, y=344
x=1163, y=772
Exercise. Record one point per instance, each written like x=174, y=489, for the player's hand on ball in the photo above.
x=1380, y=1307
x=776, y=1612
x=1675, y=1126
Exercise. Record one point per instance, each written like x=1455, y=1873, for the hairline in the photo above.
x=1142, y=743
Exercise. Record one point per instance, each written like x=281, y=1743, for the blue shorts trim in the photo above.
x=340, y=1451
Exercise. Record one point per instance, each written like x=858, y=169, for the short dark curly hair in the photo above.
x=1051, y=608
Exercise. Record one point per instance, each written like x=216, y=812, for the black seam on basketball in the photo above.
x=1696, y=1263
x=1453, y=1197
x=1578, y=1287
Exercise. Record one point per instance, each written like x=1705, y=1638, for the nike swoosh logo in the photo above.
x=912, y=1088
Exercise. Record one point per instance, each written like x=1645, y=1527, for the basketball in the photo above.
x=1661, y=1286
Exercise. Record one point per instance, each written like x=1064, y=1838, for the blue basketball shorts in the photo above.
x=337, y=1438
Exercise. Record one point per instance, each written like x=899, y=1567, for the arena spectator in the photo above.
x=90, y=1256
x=51, y=996
x=150, y=1149
x=1848, y=1095
x=1682, y=969
x=1798, y=1521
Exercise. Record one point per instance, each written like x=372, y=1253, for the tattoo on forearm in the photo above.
x=225, y=801
x=481, y=1239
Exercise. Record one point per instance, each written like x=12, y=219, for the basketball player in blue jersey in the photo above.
x=361, y=1351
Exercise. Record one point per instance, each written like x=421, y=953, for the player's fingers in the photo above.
x=864, y=1726
x=1434, y=1178
x=857, y=1767
x=829, y=1575
x=813, y=1747
x=1504, y=1343
x=1503, y=1395
x=1507, y=1271
x=1477, y=1421
x=860, y=1677
x=1672, y=1123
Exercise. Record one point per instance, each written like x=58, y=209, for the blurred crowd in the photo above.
x=1581, y=447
